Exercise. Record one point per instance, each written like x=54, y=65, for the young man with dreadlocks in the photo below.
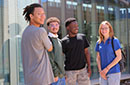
x=35, y=43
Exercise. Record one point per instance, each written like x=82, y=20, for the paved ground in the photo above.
x=125, y=82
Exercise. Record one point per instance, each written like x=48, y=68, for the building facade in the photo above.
x=89, y=14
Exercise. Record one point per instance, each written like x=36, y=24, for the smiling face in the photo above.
x=105, y=30
x=54, y=27
x=73, y=28
x=38, y=17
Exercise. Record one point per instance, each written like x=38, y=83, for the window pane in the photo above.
x=4, y=43
x=90, y=13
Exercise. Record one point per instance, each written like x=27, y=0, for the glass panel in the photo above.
x=90, y=13
x=4, y=43
x=105, y=10
x=1, y=40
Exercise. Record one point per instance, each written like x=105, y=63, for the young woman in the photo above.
x=107, y=62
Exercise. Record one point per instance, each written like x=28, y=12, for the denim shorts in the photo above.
x=77, y=77
x=61, y=81
x=112, y=79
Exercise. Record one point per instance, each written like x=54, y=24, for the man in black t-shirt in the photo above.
x=75, y=47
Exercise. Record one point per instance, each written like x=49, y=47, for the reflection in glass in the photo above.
x=4, y=46
x=90, y=13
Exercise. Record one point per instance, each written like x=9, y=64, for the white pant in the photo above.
x=77, y=77
x=112, y=79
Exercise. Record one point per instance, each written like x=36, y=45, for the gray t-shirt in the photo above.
x=36, y=65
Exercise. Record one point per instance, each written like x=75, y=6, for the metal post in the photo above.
x=127, y=37
x=63, y=8
x=80, y=15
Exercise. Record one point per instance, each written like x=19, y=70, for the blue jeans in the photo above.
x=61, y=81
x=112, y=79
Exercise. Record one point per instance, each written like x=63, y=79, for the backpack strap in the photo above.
x=50, y=39
x=113, y=46
x=52, y=43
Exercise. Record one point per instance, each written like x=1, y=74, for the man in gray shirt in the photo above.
x=35, y=43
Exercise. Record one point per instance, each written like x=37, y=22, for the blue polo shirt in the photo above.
x=107, y=55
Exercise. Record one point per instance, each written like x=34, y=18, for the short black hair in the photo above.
x=29, y=10
x=68, y=21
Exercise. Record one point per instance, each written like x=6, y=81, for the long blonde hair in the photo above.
x=111, y=33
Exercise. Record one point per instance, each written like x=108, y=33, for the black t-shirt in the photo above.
x=73, y=48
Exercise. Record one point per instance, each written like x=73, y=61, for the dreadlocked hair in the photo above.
x=29, y=10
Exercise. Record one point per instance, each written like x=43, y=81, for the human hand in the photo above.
x=65, y=77
x=56, y=79
x=103, y=73
x=89, y=71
